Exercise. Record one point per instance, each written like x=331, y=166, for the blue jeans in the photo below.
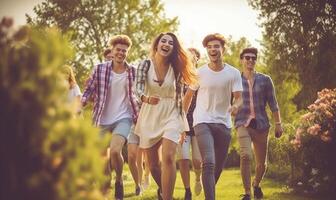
x=213, y=142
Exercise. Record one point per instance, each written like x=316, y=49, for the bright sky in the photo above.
x=197, y=18
x=200, y=17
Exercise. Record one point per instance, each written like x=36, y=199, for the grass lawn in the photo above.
x=229, y=187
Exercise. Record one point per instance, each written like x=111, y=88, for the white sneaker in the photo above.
x=198, y=188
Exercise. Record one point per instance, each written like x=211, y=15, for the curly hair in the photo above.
x=214, y=36
x=120, y=39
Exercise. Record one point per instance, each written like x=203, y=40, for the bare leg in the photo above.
x=185, y=172
x=139, y=161
x=196, y=158
x=169, y=168
x=117, y=161
x=132, y=162
x=154, y=162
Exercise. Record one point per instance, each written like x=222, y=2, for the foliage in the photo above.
x=302, y=37
x=282, y=157
x=46, y=153
x=234, y=49
x=91, y=24
x=316, y=141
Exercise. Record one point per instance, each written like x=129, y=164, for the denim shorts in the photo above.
x=121, y=127
x=132, y=137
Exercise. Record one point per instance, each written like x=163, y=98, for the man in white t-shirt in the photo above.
x=115, y=105
x=212, y=115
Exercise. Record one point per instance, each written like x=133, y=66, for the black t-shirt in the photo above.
x=191, y=112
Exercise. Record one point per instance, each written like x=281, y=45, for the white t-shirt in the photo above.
x=73, y=93
x=214, y=94
x=117, y=104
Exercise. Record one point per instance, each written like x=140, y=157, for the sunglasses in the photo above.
x=250, y=57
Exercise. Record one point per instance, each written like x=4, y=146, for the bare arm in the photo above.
x=277, y=121
x=237, y=102
x=187, y=99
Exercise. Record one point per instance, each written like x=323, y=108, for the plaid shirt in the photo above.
x=141, y=80
x=263, y=93
x=98, y=85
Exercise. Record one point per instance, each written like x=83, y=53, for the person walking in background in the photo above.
x=74, y=93
x=189, y=140
x=108, y=56
x=252, y=122
x=212, y=115
x=115, y=105
x=159, y=85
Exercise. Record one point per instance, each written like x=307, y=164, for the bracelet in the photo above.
x=148, y=99
x=277, y=123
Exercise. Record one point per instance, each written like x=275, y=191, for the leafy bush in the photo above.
x=282, y=157
x=46, y=153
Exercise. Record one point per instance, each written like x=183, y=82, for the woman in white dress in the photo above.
x=159, y=85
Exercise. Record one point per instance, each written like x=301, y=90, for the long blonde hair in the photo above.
x=69, y=75
x=179, y=59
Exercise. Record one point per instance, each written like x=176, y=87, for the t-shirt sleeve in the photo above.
x=237, y=82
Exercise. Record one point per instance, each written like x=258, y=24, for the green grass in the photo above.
x=229, y=187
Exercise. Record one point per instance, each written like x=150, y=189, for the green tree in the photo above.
x=46, y=153
x=234, y=48
x=301, y=35
x=91, y=23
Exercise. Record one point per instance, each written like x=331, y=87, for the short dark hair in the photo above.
x=249, y=50
x=214, y=36
x=107, y=51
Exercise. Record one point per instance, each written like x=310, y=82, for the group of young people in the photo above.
x=167, y=104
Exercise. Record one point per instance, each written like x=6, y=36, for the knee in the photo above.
x=245, y=158
x=153, y=166
x=261, y=166
x=168, y=158
x=197, y=162
x=115, y=152
x=208, y=166
x=131, y=157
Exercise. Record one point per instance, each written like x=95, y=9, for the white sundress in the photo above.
x=162, y=120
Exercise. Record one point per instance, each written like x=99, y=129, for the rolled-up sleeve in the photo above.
x=271, y=98
x=141, y=78
x=90, y=87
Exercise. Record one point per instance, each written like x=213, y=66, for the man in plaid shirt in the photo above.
x=115, y=106
x=252, y=122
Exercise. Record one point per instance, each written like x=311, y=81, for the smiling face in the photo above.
x=249, y=60
x=165, y=45
x=215, y=50
x=119, y=53
x=109, y=56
